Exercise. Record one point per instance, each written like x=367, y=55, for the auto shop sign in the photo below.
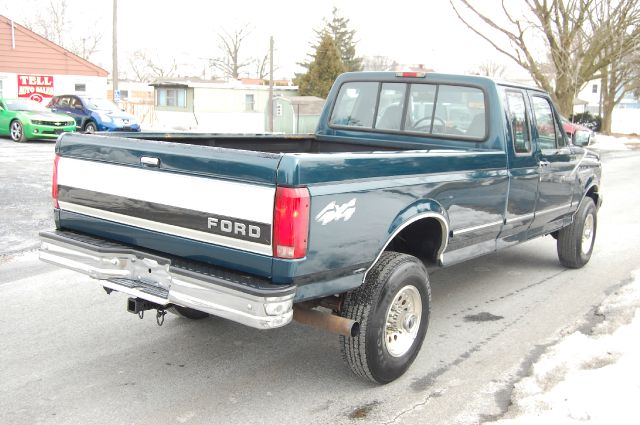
x=35, y=87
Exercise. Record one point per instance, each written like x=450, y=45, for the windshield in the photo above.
x=24, y=105
x=101, y=104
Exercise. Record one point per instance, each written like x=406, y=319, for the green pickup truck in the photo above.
x=406, y=172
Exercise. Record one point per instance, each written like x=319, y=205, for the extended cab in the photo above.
x=406, y=171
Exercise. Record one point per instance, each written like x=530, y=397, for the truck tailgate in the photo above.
x=202, y=203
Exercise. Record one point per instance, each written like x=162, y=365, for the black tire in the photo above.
x=188, y=313
x=575, y=242
x=90, y=127
x=16, y=131
x=369, y=355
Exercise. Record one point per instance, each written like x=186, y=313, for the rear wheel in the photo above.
x=575, y=242
x=188, y=313
x=392, y=307
x=17, y=131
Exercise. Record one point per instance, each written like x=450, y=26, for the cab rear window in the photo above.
x=430, y=109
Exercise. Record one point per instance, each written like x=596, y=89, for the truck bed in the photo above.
x=299, y=143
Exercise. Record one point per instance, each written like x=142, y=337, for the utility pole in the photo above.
x=270, y=105
x=114, y=71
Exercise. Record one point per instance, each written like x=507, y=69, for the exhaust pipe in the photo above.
x=327, y=321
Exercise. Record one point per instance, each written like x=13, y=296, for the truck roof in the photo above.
x=430, y=77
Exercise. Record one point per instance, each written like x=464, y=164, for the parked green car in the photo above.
x=24, y=119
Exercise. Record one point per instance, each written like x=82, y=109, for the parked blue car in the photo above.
x=94, y=114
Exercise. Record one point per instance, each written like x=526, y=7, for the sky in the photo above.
x=409, y=32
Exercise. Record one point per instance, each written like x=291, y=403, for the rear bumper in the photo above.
x=171, y=281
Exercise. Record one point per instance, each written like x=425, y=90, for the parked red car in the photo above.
x=579, y=134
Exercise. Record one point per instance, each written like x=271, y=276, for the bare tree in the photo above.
x=377, y=63
x=53, y=23
x=489, y=68
x=622, y=74
x=147, y=67
x=572, y=33
x=230, y=63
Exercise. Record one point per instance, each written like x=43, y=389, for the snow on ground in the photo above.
x=615, y=143
x=589, y=378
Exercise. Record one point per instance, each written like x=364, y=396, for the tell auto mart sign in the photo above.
x=35, y=87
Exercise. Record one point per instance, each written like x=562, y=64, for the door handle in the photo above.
x=543, y=163
x=150, y=161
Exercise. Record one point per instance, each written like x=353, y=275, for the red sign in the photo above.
x=35, y=87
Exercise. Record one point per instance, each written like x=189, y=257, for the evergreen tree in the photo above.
x=338, y=29
x=322, y=70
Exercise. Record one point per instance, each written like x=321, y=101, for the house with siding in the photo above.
x=213, y=105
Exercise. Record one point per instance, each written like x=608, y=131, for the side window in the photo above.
x=74, y=103
x=548, y=133
x=355, y=105
x=390, y=106
x=518, y=121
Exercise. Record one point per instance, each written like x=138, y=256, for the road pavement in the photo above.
x=72, y=354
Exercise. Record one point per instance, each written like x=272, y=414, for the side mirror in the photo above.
x=582, y=138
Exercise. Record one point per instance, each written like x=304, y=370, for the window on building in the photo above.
x=80, y=87
x=249, y=102
x=124, y=94
x=594, y=88
x=171, y=97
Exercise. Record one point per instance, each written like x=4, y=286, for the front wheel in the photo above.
x=392, y=307
x=575, y=242
x=90, y=127
x=17, y=132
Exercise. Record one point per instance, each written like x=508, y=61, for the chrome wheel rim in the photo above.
x=90, y=128
x=587, y=234
x=403, y=321
x=16, y=131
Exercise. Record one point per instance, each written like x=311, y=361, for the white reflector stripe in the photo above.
x=169, y=229
x=232, y=199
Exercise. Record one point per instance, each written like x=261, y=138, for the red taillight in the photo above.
x=291, y=222
x=411, y=74
x=54, y=185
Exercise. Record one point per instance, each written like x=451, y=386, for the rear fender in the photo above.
x=419, y=210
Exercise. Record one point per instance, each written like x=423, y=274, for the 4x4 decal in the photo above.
x=334, y=212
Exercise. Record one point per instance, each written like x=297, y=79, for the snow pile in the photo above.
x=592, y=379
x=613, y=143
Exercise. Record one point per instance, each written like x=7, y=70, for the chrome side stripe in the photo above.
x=479, y=227
x=168, y=228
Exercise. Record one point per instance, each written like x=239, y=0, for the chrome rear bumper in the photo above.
x=154, y=278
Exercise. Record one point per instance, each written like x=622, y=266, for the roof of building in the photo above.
x=24, y=52
x=216, y=84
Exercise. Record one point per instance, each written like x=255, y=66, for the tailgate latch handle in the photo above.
x=150, y=161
